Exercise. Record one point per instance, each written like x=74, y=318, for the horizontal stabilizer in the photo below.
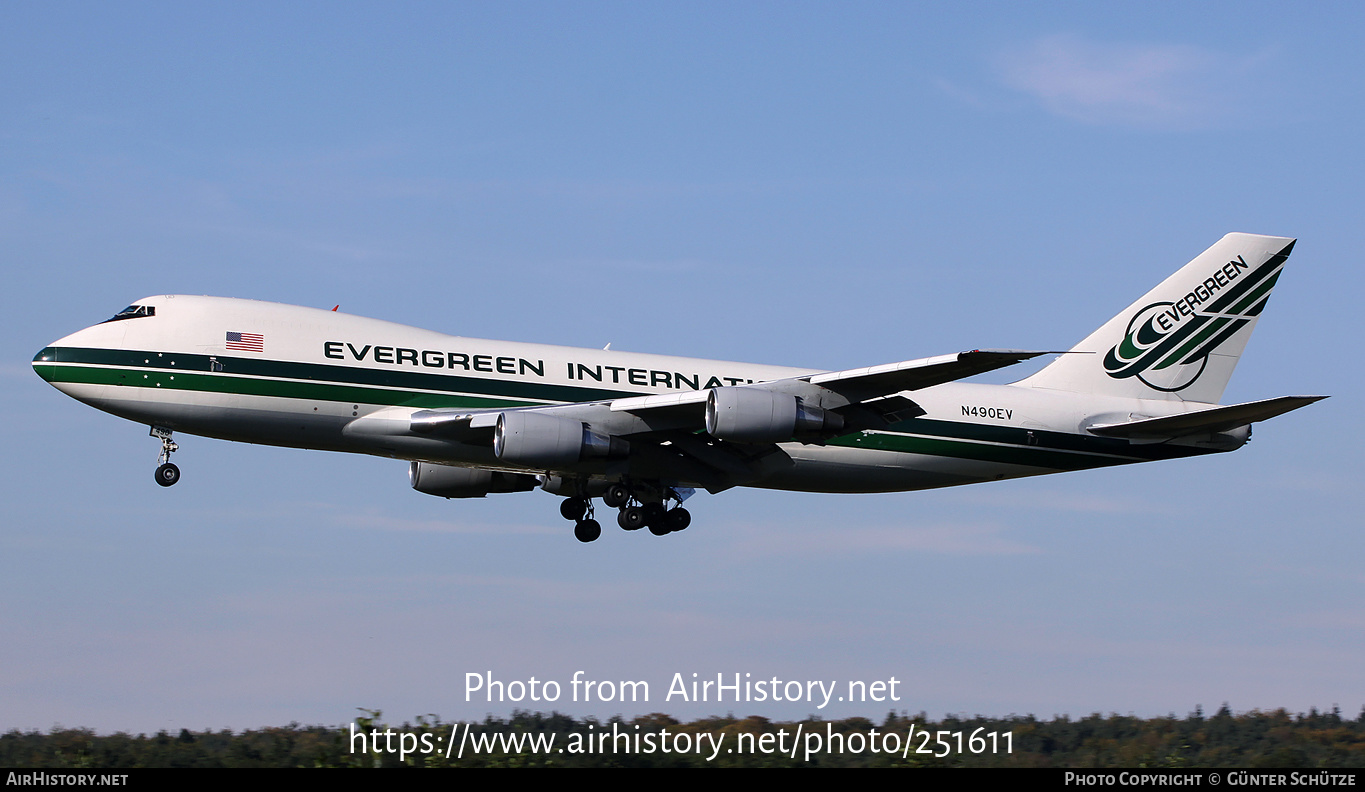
x=1210, y=421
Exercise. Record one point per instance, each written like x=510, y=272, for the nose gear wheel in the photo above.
x=167, y=474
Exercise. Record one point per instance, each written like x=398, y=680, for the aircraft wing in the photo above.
x=835, y=389
x=719, y=437
x=864, y=383
x=1210, y=421
x=736, y=432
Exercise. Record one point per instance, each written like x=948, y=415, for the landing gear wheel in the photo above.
x=659, y=528
x=678, y=519
x=573, y=508
x=616, y=496
x=654, y=513
x=587, y=530
x=167, y=474
x=631, y=518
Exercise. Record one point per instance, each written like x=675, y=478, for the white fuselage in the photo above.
x=327, y=380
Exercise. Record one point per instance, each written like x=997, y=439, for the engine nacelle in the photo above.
x=537, y=440
x=571, y=488
x=752, y=415
x=450, y=481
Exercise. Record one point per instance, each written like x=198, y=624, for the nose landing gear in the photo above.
x=167, y=473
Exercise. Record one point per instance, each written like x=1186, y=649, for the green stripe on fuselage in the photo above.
x=286, y=389
x=983, y=452
x=396, y=380
x=342, y=384
x=1011, y=445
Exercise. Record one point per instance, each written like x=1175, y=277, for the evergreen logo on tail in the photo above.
x=1184, y=332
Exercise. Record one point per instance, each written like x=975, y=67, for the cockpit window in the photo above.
x=133, y=312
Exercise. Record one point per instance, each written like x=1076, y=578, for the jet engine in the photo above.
x=450, y=481
x=751, y=415
x=537, y=440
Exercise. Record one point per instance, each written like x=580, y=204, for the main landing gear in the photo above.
x=167, y=473
x=647, y=508
x=585, y=529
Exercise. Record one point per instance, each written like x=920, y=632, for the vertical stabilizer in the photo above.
x=1182, y=339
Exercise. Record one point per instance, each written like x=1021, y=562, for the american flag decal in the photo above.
x=248, y=342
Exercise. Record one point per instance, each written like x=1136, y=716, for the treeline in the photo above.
x=1252, y=740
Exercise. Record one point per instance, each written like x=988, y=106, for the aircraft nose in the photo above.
x=44, y=363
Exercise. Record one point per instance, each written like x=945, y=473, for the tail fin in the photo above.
x=1182, y=339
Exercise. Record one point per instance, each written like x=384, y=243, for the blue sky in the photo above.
x=825, y=185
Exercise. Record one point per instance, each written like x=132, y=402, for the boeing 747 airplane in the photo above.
x=644, y=432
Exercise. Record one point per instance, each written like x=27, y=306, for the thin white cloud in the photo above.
x=1145, y=86
x=1057, y=500
x=576, y=267
x=16, y=371
x=947, y=538
x=962, y=94
x=383, y=522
